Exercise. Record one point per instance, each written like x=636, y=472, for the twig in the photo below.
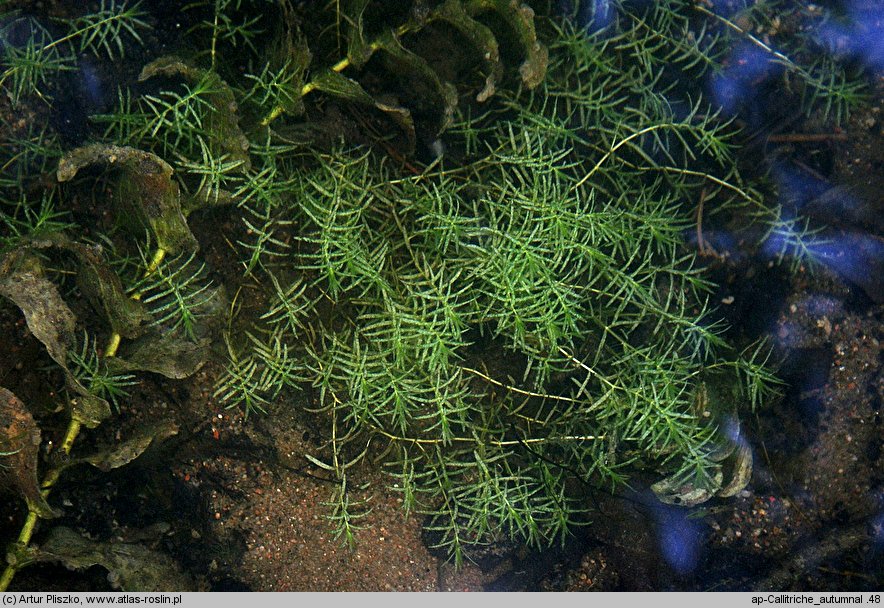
x=514, y=389
x=701, y=242
x=806, y=137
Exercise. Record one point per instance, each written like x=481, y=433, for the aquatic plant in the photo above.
x=41, y=246
x=34, y=56
x=477, y=262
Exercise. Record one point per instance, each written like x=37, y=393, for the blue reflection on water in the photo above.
x=861, y=36
x=849, y=250
x=91, y=84
x=594, y=15
x=847, y=254
x=797, y=188
x=746, y=67
x=679, y=537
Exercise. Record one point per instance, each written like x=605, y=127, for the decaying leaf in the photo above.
x=20, y=440
x=223, y=129
x=520, y=18
x=359, y=49
x=728, y=450
x=289, y=51
x=676, y=491
x=116, y=456
x=430, y=95
x=50, y=320
x=742, y=472
x=101, y=285
x=88, y=409
x=103, y=289
x=130, y=566
x=170, y=355
x=340, y=86
x=145, y=190
x=482, y=38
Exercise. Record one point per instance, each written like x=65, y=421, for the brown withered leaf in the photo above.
x=169, y=354
x=453, y=13
x=675, y=490
x=175, y=354
x=429, y=95
x=101, y=285
x=288, y=53
x=130, y=566
x=20, y=440
x=123, y=453
x=520, y=19
x=342, y=87
x=359, y=49
x=23, y=281
x=144, y=191
x=742, y=472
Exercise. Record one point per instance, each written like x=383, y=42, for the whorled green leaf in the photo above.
x=342, y=87
x=116, y=456
x=51, y=321
x=520, y=19
x=131, y=567
x=223, y=128
x=20, y=441
x=101, y=286
x=145, y=190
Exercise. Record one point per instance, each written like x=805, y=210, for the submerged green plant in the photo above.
x=32, y=65
x=92, y=371
x=508, y=322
